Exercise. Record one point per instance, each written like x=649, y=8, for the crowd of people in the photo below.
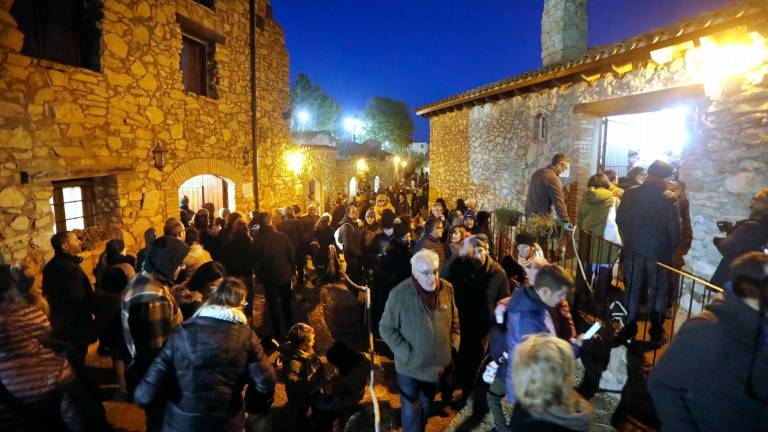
x=177, y=319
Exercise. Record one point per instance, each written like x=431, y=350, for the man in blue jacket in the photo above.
x=527, y=312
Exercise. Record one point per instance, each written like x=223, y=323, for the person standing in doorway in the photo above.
x=545, y=189
x=649, y=222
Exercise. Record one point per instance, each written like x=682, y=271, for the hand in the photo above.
x=568, y=226
x=578, y=341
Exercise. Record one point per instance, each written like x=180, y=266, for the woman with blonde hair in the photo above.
x=543, y=377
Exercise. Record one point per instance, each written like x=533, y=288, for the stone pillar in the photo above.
x=563, y=30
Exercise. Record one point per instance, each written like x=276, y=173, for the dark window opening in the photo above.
x=194, y=65
x=63, y=31
x=207, y=3
x=72, y=204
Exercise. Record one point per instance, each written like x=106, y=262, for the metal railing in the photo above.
x=617, y=287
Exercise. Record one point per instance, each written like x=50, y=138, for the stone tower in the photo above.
x=563, y=30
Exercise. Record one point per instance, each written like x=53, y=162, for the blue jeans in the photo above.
x=415, y=399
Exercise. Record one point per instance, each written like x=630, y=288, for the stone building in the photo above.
x=92, y=93
x=694, y=92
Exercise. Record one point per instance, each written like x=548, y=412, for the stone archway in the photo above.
x=242, y=183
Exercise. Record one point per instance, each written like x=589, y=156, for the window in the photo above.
x=541, y=127
x=198, y=57
x=63, y=31
x=207, y=3
x=72, y=205
x=194, y=65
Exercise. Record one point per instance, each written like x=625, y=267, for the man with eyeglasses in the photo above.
x=545, y=189
x=748, y=235
x=421, y=326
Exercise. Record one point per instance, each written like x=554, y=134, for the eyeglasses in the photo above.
x=427, y=273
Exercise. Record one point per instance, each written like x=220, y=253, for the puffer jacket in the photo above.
x=700, y=383
x=208, y=361
x=29, y=370
x=592, y=216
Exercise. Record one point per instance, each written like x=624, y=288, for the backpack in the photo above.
x=337, y=237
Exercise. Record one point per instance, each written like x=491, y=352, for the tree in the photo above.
x=388, y=120
x=322, y=108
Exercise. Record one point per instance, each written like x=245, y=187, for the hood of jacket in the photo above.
x=739, y=320
x=598, y=197
x=525, y=300
x=165, y=255
x=579, y=420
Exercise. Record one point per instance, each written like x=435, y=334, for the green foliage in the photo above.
x=543, y=226
x=507, y=216
x=323, y=109
x=388, y=120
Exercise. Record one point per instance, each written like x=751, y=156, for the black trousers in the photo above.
x=279, y=303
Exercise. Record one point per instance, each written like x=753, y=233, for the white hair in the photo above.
x=425, y=256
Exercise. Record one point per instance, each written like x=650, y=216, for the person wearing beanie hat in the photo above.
x=649, y=223
x=469, y=219
x=479, y=283
x=149, y=313
x=661, y=169
x=382, y=203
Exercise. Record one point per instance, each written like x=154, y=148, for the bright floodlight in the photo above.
x=304, y=116
x=353, y=125
x=396, y=160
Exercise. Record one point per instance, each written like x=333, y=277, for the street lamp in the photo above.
x=362, y=166
x=304, y=118
x=353, y=126
x=295, y=162
x=158, y=153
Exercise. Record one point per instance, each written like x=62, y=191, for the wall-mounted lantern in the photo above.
x=158, y=153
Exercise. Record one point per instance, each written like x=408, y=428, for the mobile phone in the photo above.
x=592, y=331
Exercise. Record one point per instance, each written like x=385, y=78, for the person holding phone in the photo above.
x=748, y=235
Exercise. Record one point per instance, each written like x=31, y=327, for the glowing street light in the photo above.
x=396, y=160
x=295, y=162
x=353, y=126
x=404, y=163
x=304, y=117
x=362, y=166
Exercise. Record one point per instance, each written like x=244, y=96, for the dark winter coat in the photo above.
x=212, y=243
x=294, y=229
x=71, y=297
x=324, y=236
x=273, y=257
x=747, y=236
x=28, y=369
x=544, y=191
x=350, y=236
x=478, y=287
x=207, y=362
x=699, y=383
x=649, y=220
x=554, y=420
x=430, y=242
x=237, y=256
x=309, y=222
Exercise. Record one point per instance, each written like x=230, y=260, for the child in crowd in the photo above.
x=305, y=378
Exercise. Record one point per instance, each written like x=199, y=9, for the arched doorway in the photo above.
x=315, y=193
x=352, y=188
x=205, y=188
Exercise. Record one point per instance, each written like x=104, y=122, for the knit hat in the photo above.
x=387, y=219
x=400, y=230
x=661, y=169
x=469, y=214
x=524, y=239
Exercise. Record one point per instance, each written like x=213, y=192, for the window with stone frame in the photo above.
x=207, y=3
x=198, y=58
x=72, y=204
x=540, y=125
x=62, y=31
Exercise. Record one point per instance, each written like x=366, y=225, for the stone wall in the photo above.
x=59, y=122
x=490, y=151
x=563, y=30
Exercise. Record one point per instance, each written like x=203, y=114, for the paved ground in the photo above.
x=336, y=314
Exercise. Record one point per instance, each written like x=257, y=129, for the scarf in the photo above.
x=223, y=313
x=429, y=298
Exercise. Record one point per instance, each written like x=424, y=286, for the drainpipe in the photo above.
x=254, y=121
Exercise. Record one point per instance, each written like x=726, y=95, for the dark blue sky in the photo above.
x=424, y=50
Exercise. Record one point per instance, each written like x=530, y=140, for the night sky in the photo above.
x=424, y=50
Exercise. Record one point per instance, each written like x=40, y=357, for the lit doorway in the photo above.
x=315, y=193
x=630, y=140
x=209, y=188
x=352, y=189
